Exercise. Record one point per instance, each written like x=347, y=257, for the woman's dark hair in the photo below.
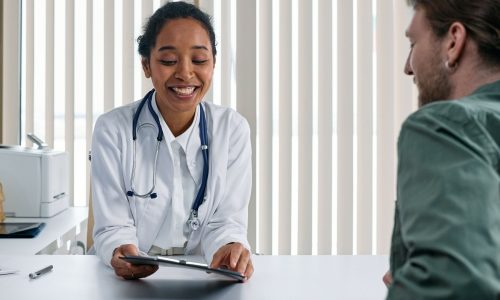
x=171, y=11
x=481, y=18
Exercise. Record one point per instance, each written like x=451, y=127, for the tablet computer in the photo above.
x=20, y=230
x=180, y=263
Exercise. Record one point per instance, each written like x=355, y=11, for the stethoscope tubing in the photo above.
x=204, y=150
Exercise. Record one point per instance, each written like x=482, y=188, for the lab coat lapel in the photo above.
x=207, y=204
x=194, y=158
x=194, y=149
x=155, y=211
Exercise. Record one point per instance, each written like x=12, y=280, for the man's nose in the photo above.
x=408, y=70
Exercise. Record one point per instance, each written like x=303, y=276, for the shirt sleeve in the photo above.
x=448, y=212
x=229, y=221
x=114, y=225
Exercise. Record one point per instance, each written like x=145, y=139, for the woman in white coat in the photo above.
x=196, y=166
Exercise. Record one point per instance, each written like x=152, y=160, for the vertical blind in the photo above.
x=320, y=82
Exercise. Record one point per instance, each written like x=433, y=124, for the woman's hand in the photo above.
x=234, y=257
x=127, y=270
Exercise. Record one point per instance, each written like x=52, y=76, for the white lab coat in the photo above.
x=137, y=221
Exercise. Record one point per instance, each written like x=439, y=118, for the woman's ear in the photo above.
x=457, y=37
x=145, y=67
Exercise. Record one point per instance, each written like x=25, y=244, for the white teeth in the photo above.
x=184, y=90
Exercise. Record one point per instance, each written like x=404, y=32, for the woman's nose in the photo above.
x=184, y=71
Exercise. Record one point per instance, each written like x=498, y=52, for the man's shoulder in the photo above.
x=474, y=120
x=471, y=108
x=484, y=102
x=449, y=111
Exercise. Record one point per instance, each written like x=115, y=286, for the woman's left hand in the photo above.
x=235, y=257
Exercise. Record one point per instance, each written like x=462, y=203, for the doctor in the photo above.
x=171, y=174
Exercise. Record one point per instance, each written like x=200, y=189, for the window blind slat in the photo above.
x=11, y=73
x=345, y=128
x=226, y=56
x=129, y=51
x=265, y=128
x=89, y=107
x=403, y=85
x=49, y=74
x=285, y=129
x=30, y=71
x=325, y=129
x=364, y=127
x=305, y=127
x=246, y=92
x=108, y=48
x=70, y=93
x=208, y=7
x=385, y=125
x=146, y=12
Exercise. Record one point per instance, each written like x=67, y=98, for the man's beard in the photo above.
x=434, y=86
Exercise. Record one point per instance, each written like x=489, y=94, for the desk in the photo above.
x=275, y=277
x=68, y=226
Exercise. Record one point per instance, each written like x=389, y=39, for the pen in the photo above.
x=41, y=272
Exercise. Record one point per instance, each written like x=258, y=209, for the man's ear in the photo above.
x=456, y=39
x=145, y=67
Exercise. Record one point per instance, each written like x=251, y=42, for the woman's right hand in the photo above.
x=127, y=270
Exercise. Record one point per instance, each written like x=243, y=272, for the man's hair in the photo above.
x=481, y=18
x=171, y=11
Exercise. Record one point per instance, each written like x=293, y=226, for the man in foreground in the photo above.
x=446, y=238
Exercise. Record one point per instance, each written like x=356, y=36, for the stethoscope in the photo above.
x=193, y=221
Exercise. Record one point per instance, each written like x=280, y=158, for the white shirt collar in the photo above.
x=185, y=137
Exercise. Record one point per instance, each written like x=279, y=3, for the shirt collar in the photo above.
x=182, y=139
x=488, y=88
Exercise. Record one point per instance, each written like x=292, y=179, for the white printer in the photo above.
x=35, y=181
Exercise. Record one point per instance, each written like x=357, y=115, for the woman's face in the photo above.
x=181, y=66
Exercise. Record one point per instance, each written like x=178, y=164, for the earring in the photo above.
x=451, y=67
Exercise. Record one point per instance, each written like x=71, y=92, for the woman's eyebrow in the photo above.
x=195, y=47
x=199, y=47
x=163, y=48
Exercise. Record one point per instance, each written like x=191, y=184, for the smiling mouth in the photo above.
x=184, y=91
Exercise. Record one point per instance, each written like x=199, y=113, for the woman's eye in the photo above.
x=199, y=61
x=168, y=62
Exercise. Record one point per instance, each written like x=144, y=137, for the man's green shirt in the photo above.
x=446, y=238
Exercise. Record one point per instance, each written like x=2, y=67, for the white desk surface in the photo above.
x=55, y=227
x=275, y=277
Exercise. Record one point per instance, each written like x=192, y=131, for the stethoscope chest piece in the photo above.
x=193, y=221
